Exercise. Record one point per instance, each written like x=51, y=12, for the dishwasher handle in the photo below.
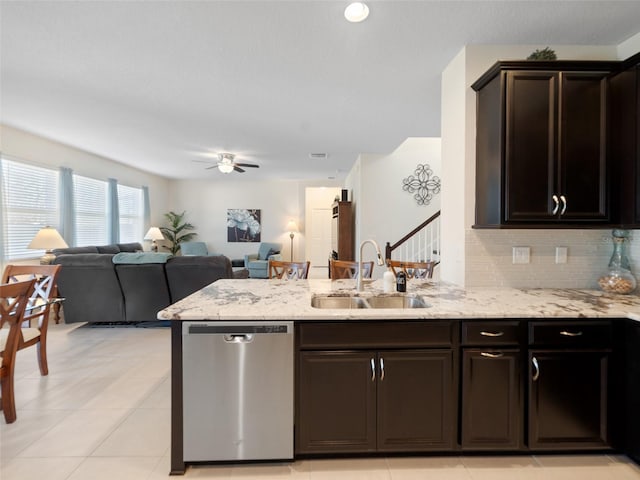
x=238, y=338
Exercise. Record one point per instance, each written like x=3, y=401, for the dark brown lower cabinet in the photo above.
x=492, y=399
x=632, y=390
x=415, y=401
x=568, y=399
x=365, y=401
x=336, y=402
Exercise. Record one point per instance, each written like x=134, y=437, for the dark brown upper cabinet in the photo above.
x=624, y=144
x=541, y=145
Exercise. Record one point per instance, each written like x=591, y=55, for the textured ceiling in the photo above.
x=159, y=84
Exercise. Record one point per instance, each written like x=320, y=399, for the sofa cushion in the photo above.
x=74, y=250
x=265, y=247
x=140, y=258
x=185, y=275
x=108, y=248
x=258, y=265
x=145, y=290
x=194, y=248
x=91, y=289
x=130, y=247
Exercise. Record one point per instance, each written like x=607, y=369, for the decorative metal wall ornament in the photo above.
x=422, y=184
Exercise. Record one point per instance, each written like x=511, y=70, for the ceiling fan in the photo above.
x=226, y=164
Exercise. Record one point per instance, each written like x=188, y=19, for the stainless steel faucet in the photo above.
x=359, y=287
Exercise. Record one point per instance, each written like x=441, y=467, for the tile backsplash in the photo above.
x=488, y=259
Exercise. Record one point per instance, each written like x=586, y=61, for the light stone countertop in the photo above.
x=239, y=299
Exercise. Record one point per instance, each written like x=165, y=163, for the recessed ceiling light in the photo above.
x=356, y=12
x=318, y=155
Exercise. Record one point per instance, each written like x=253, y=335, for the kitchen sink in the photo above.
x=326, y=301
x=375, y=302
x=397, y=301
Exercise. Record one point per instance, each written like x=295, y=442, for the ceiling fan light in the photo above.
x=225, y=167
x=356, y=12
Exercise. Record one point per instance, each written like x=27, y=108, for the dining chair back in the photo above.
x=13, y=301
x=36, y=320
x=288, y=270
x=347, y=269
x=413, y=269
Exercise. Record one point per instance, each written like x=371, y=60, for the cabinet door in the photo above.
x=582, y=137
x=336, y=402
x=530, y=146
x=492, y=411
x=632, y=388
x=416, y=400
x=567, y=399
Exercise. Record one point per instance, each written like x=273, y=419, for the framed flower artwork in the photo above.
x=243, y=225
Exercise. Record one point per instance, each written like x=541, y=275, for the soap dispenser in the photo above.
x=388, y=279
x=401, y=281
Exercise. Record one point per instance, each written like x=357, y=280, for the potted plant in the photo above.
x=177, y=232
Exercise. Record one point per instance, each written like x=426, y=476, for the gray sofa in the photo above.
x=97, y=290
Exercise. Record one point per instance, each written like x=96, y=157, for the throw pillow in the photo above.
x=272, y=252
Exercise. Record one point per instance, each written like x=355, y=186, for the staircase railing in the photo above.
x=419, y=245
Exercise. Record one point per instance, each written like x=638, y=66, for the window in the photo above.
x=30, y=199
x=131, y=208
x=90, y=197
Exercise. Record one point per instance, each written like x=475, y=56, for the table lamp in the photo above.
x=47, y=239
x=154, y=234
x=292, y=226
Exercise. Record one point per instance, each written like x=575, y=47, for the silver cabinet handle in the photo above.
x=570, y=334
x=564, y=204
x=491, y=334
x=557, y=205
x=373, y=370
x=381, y=368
x=491, y=355
x=536, y=373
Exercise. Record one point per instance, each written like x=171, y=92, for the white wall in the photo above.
x=385, y=212
x=206, y=204
x=49, y=153
x=487, y=253
x=454, y=219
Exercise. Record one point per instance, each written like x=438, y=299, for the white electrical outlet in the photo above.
x=561, y=254
x=521, y=254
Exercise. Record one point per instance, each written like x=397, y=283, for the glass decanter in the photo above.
x=618, y=278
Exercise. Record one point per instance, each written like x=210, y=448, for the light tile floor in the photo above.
x=103, y=413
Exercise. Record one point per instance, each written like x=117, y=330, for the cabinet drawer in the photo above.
x=375, y=334
x=491, y=333
x=574, y=334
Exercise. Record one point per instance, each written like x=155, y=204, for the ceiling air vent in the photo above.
x=318, y=156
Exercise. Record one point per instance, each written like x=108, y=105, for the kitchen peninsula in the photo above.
x=491, y=369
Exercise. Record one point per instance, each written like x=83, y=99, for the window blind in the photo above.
x=90, y=197
x=131, y=208
x=30, y=198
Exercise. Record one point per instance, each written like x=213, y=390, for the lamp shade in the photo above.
x=292, y=226
x=154, y=233
x=46, y=239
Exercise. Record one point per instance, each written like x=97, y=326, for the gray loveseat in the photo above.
x=97, y=290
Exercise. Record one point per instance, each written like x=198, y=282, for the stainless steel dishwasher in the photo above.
x=237, y=391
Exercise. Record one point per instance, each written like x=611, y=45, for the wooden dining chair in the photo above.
x=36, y=320
x=347, y=269
x=413, y=269
x=13, y=300
x=288, y=270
